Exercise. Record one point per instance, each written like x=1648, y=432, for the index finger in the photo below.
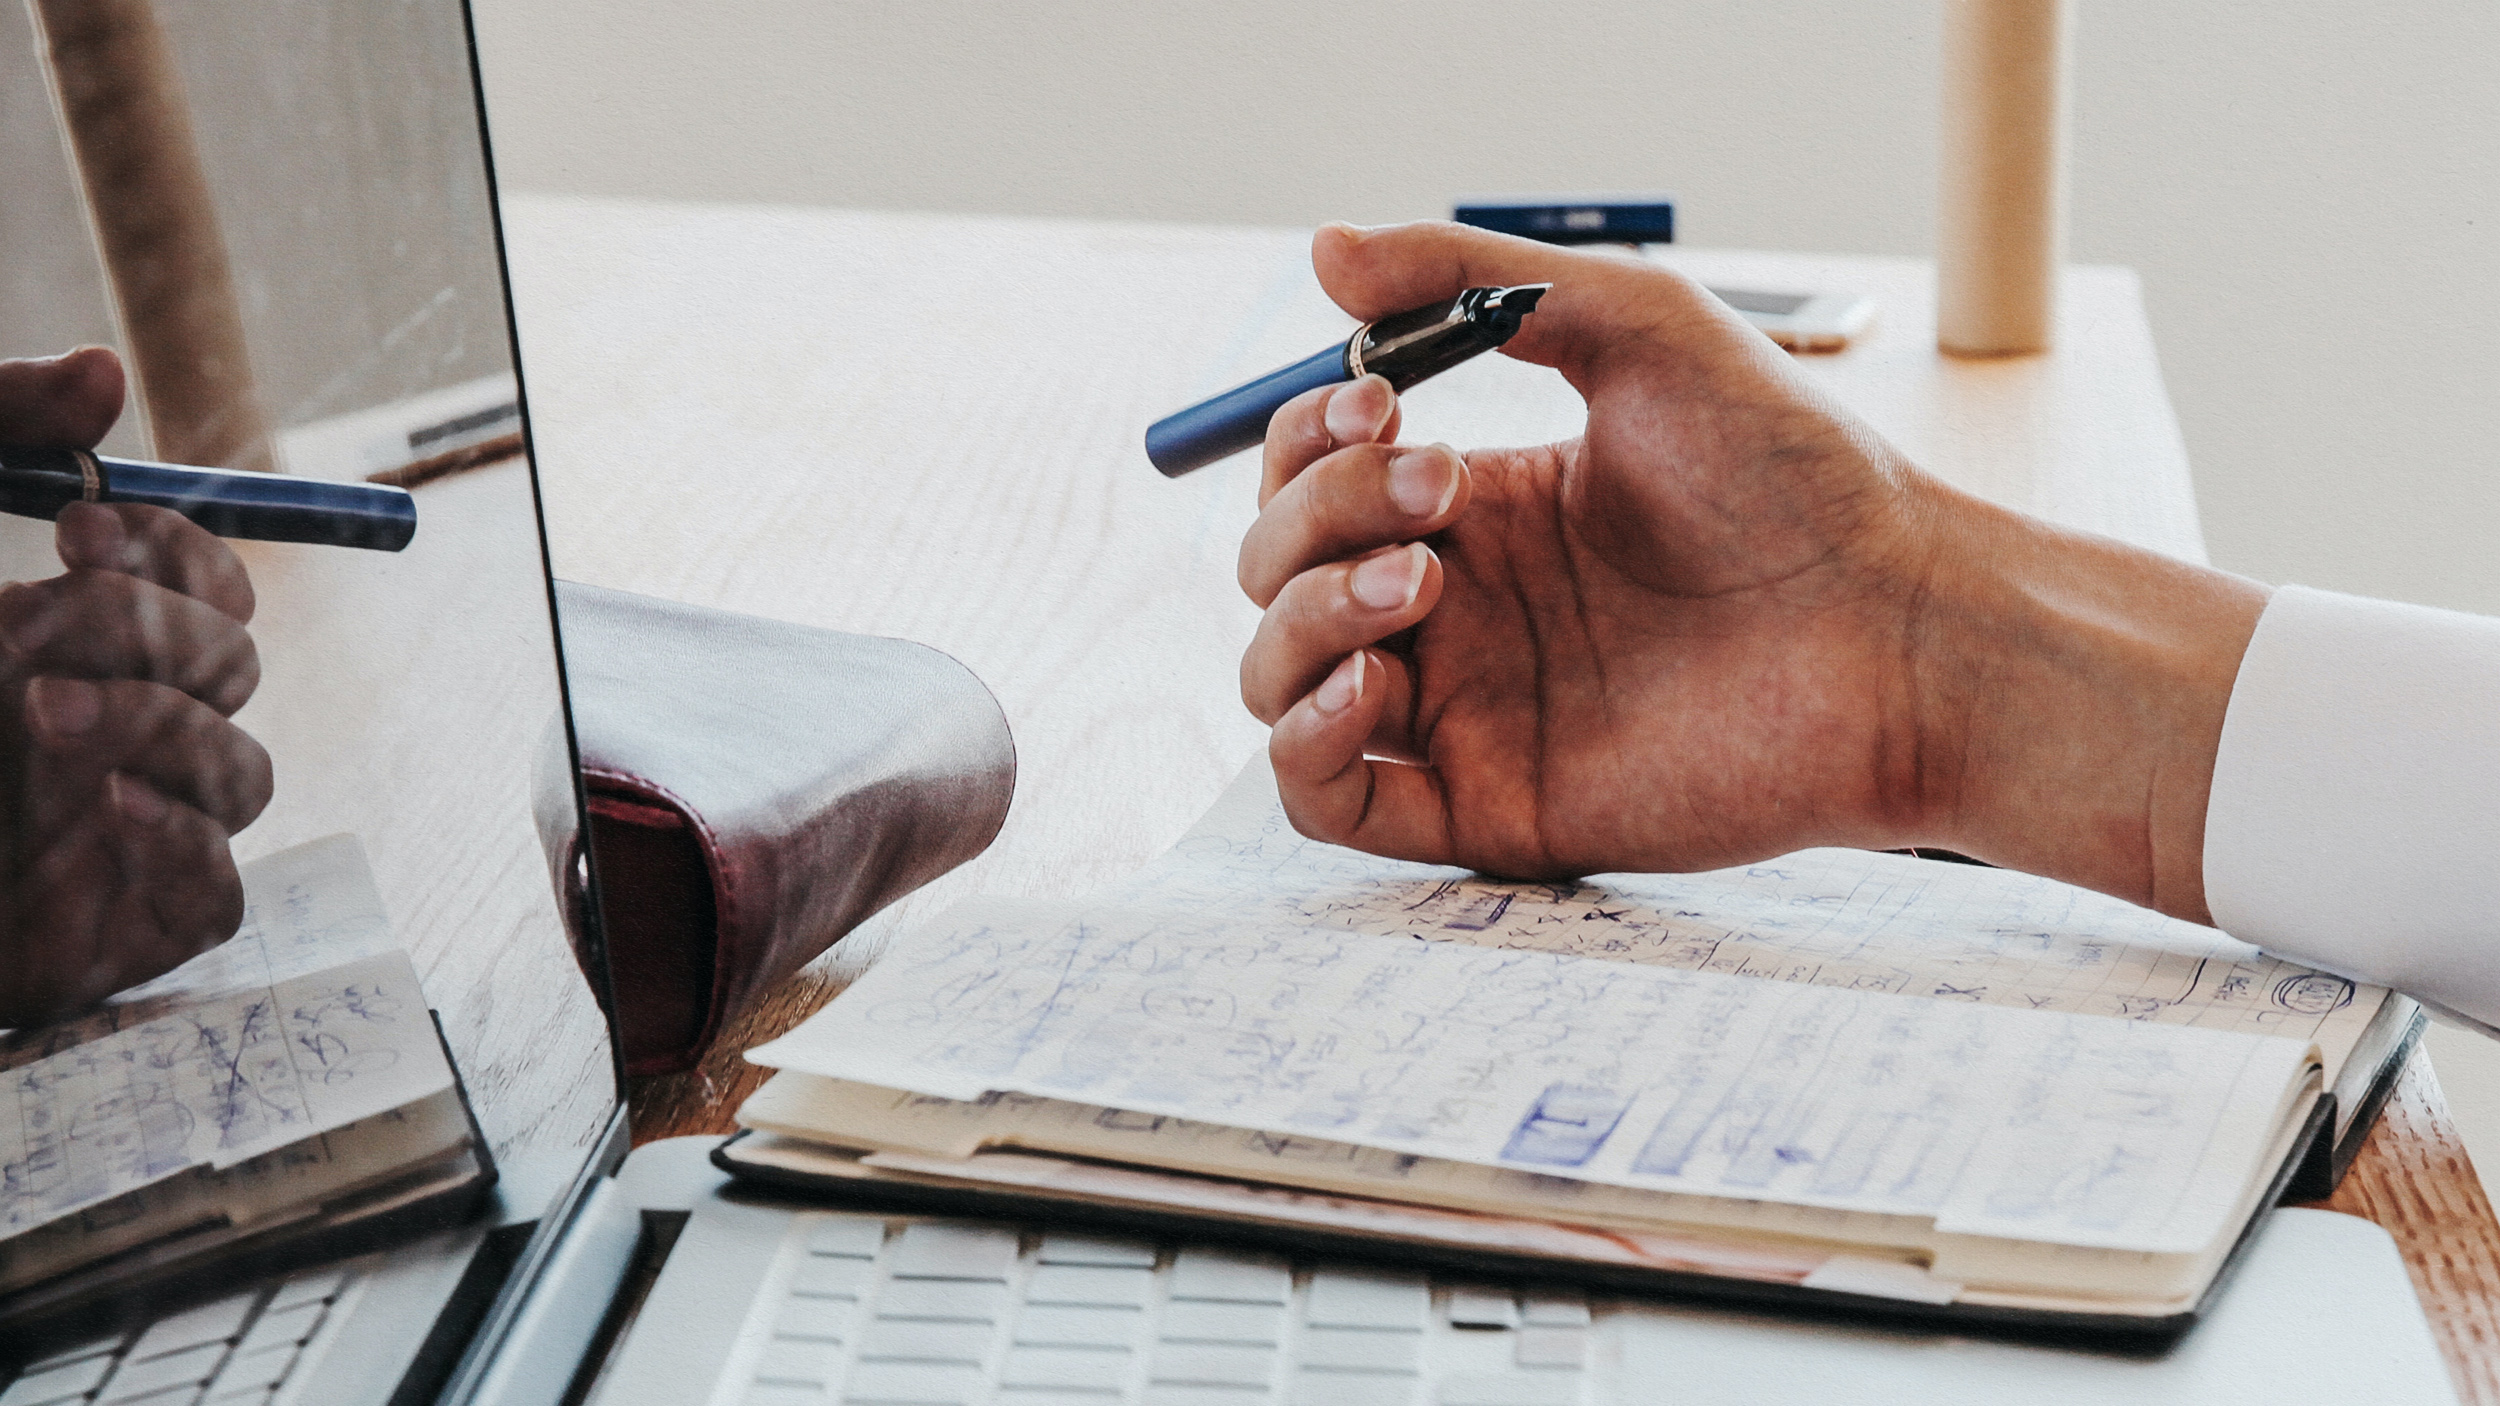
x=1314, y=424
x=156, y=545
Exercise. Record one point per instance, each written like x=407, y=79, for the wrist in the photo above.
x=2070, y=692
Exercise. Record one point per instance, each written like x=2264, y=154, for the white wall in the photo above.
x=2310, y=188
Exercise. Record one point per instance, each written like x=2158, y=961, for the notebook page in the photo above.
x=305, y=908
x=213, y=1084
x=2085, y=1131
x=1827, y=917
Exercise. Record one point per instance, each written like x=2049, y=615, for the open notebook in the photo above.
x=1839, y=1073
x=283, y=1095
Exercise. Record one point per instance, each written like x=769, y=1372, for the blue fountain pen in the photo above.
x=38, y=483
x=1407, y=348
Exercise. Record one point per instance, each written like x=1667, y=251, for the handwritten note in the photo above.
x=2043, y=1125
x=306, y=908
x=1849, y=919
x=213, y=1084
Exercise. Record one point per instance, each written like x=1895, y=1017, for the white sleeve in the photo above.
x=2355, y=818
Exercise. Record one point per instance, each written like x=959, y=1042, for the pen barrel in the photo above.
x=262, y=507
x=1229, y=423
x=1406, y=359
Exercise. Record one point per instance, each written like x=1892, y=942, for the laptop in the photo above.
x=410, y=702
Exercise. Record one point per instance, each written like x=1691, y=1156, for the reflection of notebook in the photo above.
x=1838, y=1076
x=283, y=1097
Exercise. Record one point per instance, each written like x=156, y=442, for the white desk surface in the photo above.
x=929, y=427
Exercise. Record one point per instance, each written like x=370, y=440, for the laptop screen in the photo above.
x=282, y=960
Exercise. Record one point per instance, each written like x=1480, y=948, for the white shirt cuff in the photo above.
x=2355, y=817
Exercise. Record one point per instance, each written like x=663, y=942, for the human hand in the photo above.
x=1726, y=622
x=121, y=778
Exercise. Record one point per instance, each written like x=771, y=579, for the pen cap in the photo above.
x=38, y=483
x=1411, y=347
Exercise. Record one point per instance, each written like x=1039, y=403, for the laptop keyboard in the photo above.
x=862, y=1311
x=235, y=1351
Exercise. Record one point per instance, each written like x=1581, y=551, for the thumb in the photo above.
x=68, y=400
x=1602, y=307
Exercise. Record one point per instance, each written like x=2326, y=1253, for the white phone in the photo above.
x=1802, y=322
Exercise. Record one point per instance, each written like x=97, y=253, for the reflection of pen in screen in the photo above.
x=264, y=507
x=1407, y=348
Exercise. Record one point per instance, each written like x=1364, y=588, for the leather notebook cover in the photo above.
x=756, y=790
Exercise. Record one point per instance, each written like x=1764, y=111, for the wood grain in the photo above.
x=2414, y=1179
x=928, y=426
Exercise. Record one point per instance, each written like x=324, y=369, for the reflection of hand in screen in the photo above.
x=121, y=779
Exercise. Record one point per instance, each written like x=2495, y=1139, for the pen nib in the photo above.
x=1519, y=299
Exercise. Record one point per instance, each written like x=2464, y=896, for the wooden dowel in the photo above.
x=2000, y=226
x=122, y=105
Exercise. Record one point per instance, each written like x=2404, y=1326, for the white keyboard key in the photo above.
x=209, y=1323
x=1540, y=1346
x=936, y=1251
x=1556, y=1310
x=1367, y=1299
x=857, y=1237
x=1231, y=1276
x=950, y=1299
x=817, y=1320
x=280, y=1328
x=1099, y=1285
x=137, y=1379
x=1361, y=1350
x=889, y=1341
x=799, y=1363
x=1066, y=1368
x=1483, y=1308
x=1175, y=1394
x=80, y=1353
x=258, y=1372
x=61, y=1383
x=1191, y=1321
x=1096, y=1249
x=1056, y=1396
x=825, y=1276
x=779, y=1394
x=913, y=1384
x=1509, y=1389
x=1046, y=1325
x=317, y=1287
x=1208, y=1364
x=1316, y=1387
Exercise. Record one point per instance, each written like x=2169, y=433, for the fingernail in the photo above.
x=1358, y=411
x=136, y=799
x=1343, y=688
x=1349, y=229
x=63, y=708
x=1390, y=580
x=1423, y=481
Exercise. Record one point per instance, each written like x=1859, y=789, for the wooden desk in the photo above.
x=928, y=426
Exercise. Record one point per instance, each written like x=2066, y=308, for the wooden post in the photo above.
x=2000, y=221
x=121, y=103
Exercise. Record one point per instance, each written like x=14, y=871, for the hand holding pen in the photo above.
x=1725, y=622
x=122, y=778
x=1671, y=643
